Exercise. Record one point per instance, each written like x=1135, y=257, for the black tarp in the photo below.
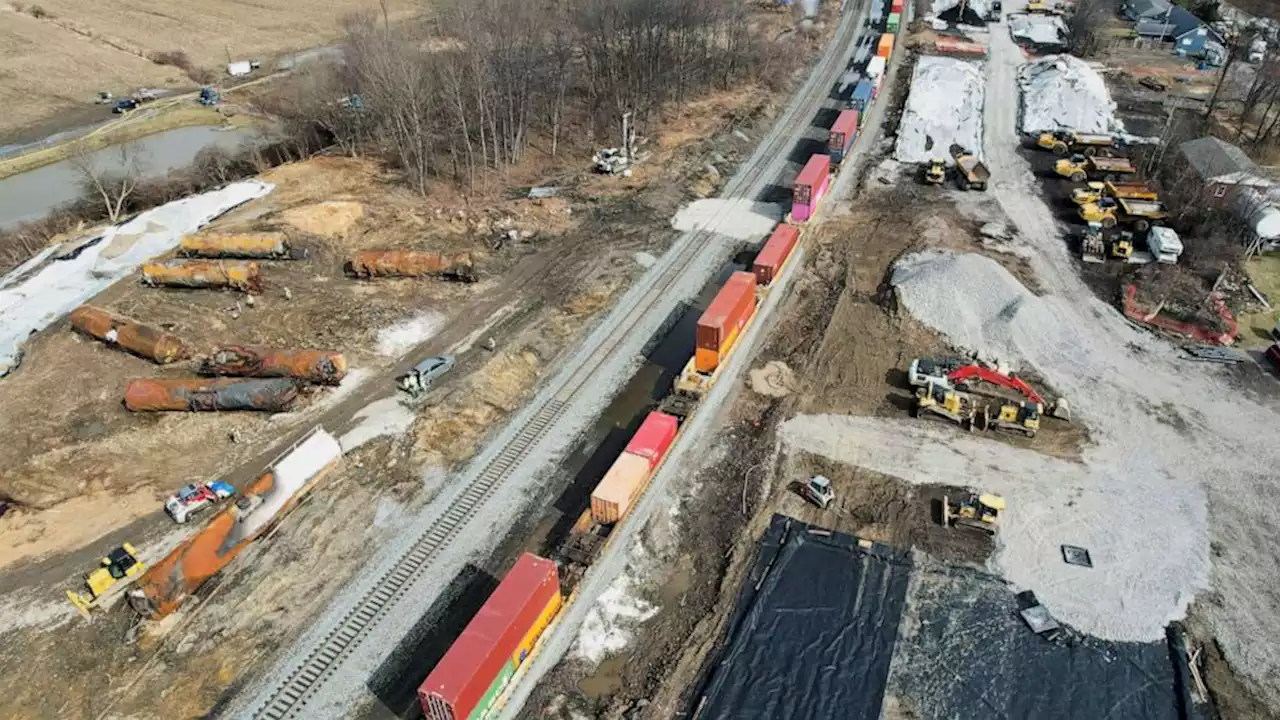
x=813, y=631
x=830, y=628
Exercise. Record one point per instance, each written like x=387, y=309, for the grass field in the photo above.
x=53, y=66
x=1264, y=272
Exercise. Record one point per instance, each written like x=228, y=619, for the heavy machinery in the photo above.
x=934, y=399
x=210, y=96
x=817, y=490
x=960, y=375
x=1095, y=191
x=935, y=172
x=1122, y=246
x=1093, y=249
x=119, y=569
x=1020, y=417
x=1080, y=167
x=1064, y=142
x=973, y=512
x=971, y=173
x=1037, y=7
x=994, y=10
x=1109, y=212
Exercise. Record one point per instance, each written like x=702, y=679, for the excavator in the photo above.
x=959, y=375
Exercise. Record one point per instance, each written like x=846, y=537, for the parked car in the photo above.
x=196, y=498
x=124, y=106
x=419, y=379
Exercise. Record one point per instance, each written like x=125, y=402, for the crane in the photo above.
x=959, y=374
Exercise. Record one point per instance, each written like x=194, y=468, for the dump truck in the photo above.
x=1080, y=167
x=971, y=173
x=1064, y=142
x=934, y=172
x=1095, y=191
x=1110, y=212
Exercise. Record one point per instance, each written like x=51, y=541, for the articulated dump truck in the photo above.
x=168, y=583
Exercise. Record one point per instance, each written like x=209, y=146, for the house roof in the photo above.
x=1172, y=24
x=1218, y=161
x=1146, y=8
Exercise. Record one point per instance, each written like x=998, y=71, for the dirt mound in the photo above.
x=332, y=219
x=775, y=379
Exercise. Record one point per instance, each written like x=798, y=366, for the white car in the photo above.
x=196, y=498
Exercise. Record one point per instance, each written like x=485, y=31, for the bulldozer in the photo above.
x=1093, y=249
x=935, y=172
x=933, y=399
x=973, y=512
x=1122, y=247
x=1020, y=417
x=119, y=569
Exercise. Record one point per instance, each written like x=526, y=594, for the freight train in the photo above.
x=470, y=680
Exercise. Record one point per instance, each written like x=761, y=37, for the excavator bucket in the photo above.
x=1061, y=410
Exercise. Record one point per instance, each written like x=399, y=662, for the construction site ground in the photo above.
x=1174, y=453
x=95, y=475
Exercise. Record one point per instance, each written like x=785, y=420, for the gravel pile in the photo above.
x=1063, y=92
x=944, y=107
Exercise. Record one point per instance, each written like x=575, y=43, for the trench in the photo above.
x=396, y=683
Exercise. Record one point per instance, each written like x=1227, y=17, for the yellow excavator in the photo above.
x=973, y=512
x=119, y=569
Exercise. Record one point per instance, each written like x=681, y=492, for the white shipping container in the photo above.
x=875, y=69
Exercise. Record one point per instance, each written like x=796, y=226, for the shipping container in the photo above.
x=810, y=187
x=843, y=133
x=207, y=274
x=885, y=48
x=725, y=318
x=863, y=93
x=626, y=479
x=251, y=246
x=321, y=367
x=409, y=263
x=129, y=335
x=775, y=253
x=896, y=6
x=260, y=507
x=895, y=21
x=654, y=437
x=472, y=674
x=210, y=394
x=875, y=69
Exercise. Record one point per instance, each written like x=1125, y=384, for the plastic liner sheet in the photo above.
x=964, y=652
x=814, y=629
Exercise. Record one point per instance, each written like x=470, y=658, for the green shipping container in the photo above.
x=895, y=19
x=491, y=695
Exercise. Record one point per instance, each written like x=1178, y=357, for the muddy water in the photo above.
x=32, y=195
x=395, y=684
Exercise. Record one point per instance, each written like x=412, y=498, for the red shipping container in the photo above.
x=896, y=7
x=654, y=437
x=775, y=252
x=724, y=319
x=463, y=676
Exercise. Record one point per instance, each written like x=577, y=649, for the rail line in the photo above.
x=289, y=699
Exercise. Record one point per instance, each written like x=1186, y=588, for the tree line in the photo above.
x=468, y=86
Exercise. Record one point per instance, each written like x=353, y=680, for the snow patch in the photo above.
x=740, y=219
x=1038, y=29
x=396, y=340
x=381, y=417
x=1062, y=92
x=19, y=612
x=608, y=626
x=644, y=260
x=943, y=108
x=62, y=285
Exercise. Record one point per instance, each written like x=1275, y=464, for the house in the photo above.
x=1224, y=171
x=1201, y=42
x=1145, y=10
x=1173, y=23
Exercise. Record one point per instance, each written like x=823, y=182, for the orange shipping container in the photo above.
x=724, y=320
x=612, y=498
x=885, y=49
x=127, y=334
x=775, y=252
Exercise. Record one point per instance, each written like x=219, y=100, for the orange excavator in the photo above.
x=961, y=375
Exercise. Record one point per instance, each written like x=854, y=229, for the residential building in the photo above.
x=1224, y=171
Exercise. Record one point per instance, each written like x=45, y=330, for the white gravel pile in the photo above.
x=1063, y=92
x=739, y=218
x=1043, y=30
x=944, y=107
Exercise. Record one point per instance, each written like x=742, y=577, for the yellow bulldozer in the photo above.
x=119, y=569
x=934, y=399
x=973, y=512
x=1013, y=416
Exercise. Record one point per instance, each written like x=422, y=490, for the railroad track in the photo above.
x=289, y=699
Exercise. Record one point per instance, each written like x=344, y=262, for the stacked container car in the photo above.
x=885, y=48
x=718, y=329
x=843, y=133
x=863, y=93
x=469, y=680
x=895, y=16
x=810, y=188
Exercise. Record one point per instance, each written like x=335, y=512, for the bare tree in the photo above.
x=109, y=175
x=1086, y=26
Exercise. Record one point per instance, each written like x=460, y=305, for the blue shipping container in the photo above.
x=862, y=95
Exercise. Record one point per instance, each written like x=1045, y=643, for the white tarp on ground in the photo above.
x=1061, y=92
x=1038, y=29
x=62, y=285
x=943, y=107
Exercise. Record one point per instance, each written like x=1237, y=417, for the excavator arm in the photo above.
x=977, y=372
